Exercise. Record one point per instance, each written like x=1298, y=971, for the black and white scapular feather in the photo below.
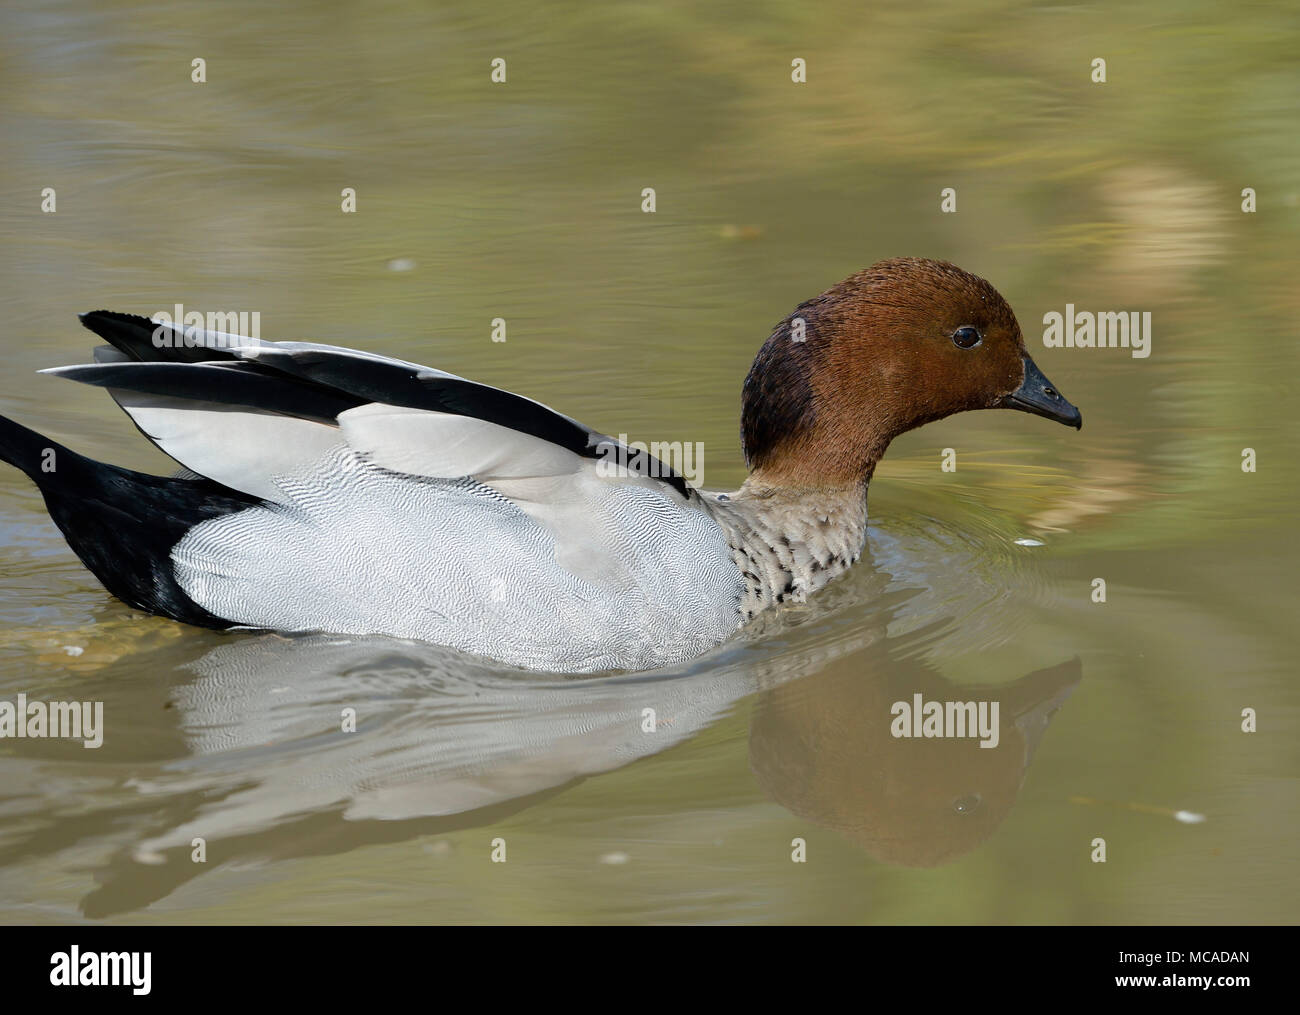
x=330, y=489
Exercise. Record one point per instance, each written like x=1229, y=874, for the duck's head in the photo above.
x=903, y=343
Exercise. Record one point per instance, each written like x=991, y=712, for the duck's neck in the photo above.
x=790, y=542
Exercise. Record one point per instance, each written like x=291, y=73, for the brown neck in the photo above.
x=818, y=461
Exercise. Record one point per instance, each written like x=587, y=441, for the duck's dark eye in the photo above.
x=966, y=338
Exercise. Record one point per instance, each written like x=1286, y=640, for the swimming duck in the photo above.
x=329, y=489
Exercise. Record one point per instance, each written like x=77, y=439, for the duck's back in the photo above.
x=376, y=496
x=599, y=575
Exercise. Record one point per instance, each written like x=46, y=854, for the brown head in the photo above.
x=903, y=343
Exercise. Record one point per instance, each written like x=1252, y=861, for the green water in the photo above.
x=522, y=201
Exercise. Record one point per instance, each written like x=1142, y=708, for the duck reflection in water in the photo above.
x=258, y=765
x=823, y=749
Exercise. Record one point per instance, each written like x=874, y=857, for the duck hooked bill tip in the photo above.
x=1039, y=396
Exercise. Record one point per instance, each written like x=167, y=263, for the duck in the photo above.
x=329, y=489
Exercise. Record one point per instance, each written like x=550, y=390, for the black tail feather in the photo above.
x=134, y=335
x=122, y=524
